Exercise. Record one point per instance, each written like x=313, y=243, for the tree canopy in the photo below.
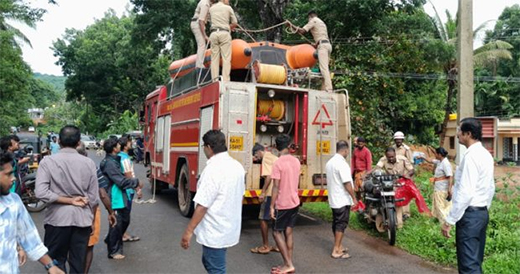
x=107, y=70
x=397, y=62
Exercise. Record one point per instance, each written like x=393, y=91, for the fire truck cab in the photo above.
x=248, y=111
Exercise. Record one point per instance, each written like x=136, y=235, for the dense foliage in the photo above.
x=502, y=97
x=107, y=71
x=394, y=60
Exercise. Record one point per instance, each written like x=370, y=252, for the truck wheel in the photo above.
x=184, y=194
x=391, y=218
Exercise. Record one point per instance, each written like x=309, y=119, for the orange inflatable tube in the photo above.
x=299, y=56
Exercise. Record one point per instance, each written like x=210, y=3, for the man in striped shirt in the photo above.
x=127, y=168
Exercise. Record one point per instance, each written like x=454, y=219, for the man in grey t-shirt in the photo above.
x=67, y=181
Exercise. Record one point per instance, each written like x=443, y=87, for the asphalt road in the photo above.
x=160, y=227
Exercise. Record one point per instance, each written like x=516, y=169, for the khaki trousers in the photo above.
x=324, y=51
x=220, y=46
x=201, y=43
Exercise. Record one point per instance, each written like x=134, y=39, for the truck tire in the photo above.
x=392, y=225
x=184, y=194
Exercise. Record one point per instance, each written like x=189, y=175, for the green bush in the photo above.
x=421, y=235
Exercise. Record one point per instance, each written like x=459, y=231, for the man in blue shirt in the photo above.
x=17, y=227
x=55, y=147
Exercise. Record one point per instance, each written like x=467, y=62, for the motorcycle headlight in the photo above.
x=388, y=184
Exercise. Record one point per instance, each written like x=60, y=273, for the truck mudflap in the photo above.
x=306, y=196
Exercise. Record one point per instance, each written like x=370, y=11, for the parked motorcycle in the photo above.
x=28, y=196
x=379, y=198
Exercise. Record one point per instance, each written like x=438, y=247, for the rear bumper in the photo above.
x=306, y=196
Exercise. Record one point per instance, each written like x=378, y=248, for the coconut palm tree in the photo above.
x=18, y=11
x=487, y=55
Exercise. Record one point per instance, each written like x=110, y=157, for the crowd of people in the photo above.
x=465, y=204
x=73, y=186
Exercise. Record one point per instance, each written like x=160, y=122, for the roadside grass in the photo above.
x=421, y=235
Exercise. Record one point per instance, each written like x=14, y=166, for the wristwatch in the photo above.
x=51, y=264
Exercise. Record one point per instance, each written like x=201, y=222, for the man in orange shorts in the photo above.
x=361, y=164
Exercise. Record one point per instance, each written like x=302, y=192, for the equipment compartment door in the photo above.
x=206, y=123
x=323, y=126
x=166, y=144
x=236, y=122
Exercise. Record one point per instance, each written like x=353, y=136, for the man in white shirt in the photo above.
x=341, y=196
x=218, y=214
x=473, y=192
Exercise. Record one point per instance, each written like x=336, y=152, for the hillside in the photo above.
x=58, y=82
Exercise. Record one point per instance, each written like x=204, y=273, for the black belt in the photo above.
x=194, y=19
x=324, y=42
x=476, y=208
x=219, y=29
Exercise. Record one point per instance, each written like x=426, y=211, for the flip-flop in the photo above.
x=132, y=239
x=342, y=256
x=116, y=256
x=259, y=250
x=276, y=267
x=274, y=249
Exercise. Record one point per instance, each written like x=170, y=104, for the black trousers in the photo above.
x=68, y=244
x=114, y=238
x=471, y=240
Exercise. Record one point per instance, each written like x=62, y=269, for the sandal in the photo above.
x=274, y=249
x=131, y=239
x=342, y=256
x=116, y=256
x=260, y=250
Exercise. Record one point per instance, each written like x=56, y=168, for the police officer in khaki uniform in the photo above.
x=403, y=150
x=395, y=164
x=198, y=27
x=223, y=21
x=318, y=30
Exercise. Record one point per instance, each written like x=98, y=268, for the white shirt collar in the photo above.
x=473, y=147
x=218, y=156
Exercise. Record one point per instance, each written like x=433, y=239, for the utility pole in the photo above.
x=465, y=97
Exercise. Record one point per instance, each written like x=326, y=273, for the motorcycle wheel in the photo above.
x=36, y=207
x=379, y=223
x=392, y=225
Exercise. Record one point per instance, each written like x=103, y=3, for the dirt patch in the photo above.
x=507, y=173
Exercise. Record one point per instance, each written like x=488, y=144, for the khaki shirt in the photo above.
x=221, y=16
x=317, y=28
x=401, y=166
x=267, y=167
x=202, y=10
x=405, y=151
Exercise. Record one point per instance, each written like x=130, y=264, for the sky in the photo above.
x=79, y=14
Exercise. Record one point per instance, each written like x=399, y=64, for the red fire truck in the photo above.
x=264, y=98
